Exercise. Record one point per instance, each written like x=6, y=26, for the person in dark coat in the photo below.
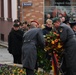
x=67, y=36
x=46, y=30
x=31, y=40
x=48, y=27
x=73, y=26
x=15, y=43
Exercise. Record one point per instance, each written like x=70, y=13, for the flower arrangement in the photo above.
x=54, y=47
x=6, y=69
x=11, y=70
x=53, y=43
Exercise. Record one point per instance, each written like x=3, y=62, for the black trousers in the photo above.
x=29, y=72
x=17, y=59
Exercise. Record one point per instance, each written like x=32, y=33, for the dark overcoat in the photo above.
x=46, y=30
x=32, y=39
x=15, y=39
x=68, y=38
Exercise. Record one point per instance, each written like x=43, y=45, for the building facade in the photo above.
x=30, y=10
x=8, y=12
x=21, y=9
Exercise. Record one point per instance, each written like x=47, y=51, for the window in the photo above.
x=2, y=9
x=9, y=10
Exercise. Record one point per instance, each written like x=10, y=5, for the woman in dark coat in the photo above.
x=32, y=39
x=67, y=36
x=48, y=27
x=15, y=43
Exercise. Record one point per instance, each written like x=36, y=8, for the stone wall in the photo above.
x=33, y=12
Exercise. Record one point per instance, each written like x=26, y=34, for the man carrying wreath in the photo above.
x=67, y=36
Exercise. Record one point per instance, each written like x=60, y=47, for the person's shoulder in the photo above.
x=11, y=31
x=32, y=30
x=44, y=29
x=37, y=29
x=20, y=31
x=64, y=25
x=40, y=28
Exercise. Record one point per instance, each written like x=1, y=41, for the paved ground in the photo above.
x=5, y=57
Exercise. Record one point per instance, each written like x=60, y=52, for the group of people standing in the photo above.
x=23, y=41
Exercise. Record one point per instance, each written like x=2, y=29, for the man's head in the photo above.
x=56, y=22
x=49, y=23
x=73, y=25
x=74, y=28
x=34, y=24
x=48, y=15
x=63, y=19
x=16, y=27
x=24, y=25
x=16, y=21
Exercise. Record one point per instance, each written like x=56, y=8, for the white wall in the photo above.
x=14, y=9
x=5, y=9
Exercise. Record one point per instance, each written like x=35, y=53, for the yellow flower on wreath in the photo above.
x=52, y=42
x=59, y=45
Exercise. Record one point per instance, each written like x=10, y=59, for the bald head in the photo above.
x=34, y=24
